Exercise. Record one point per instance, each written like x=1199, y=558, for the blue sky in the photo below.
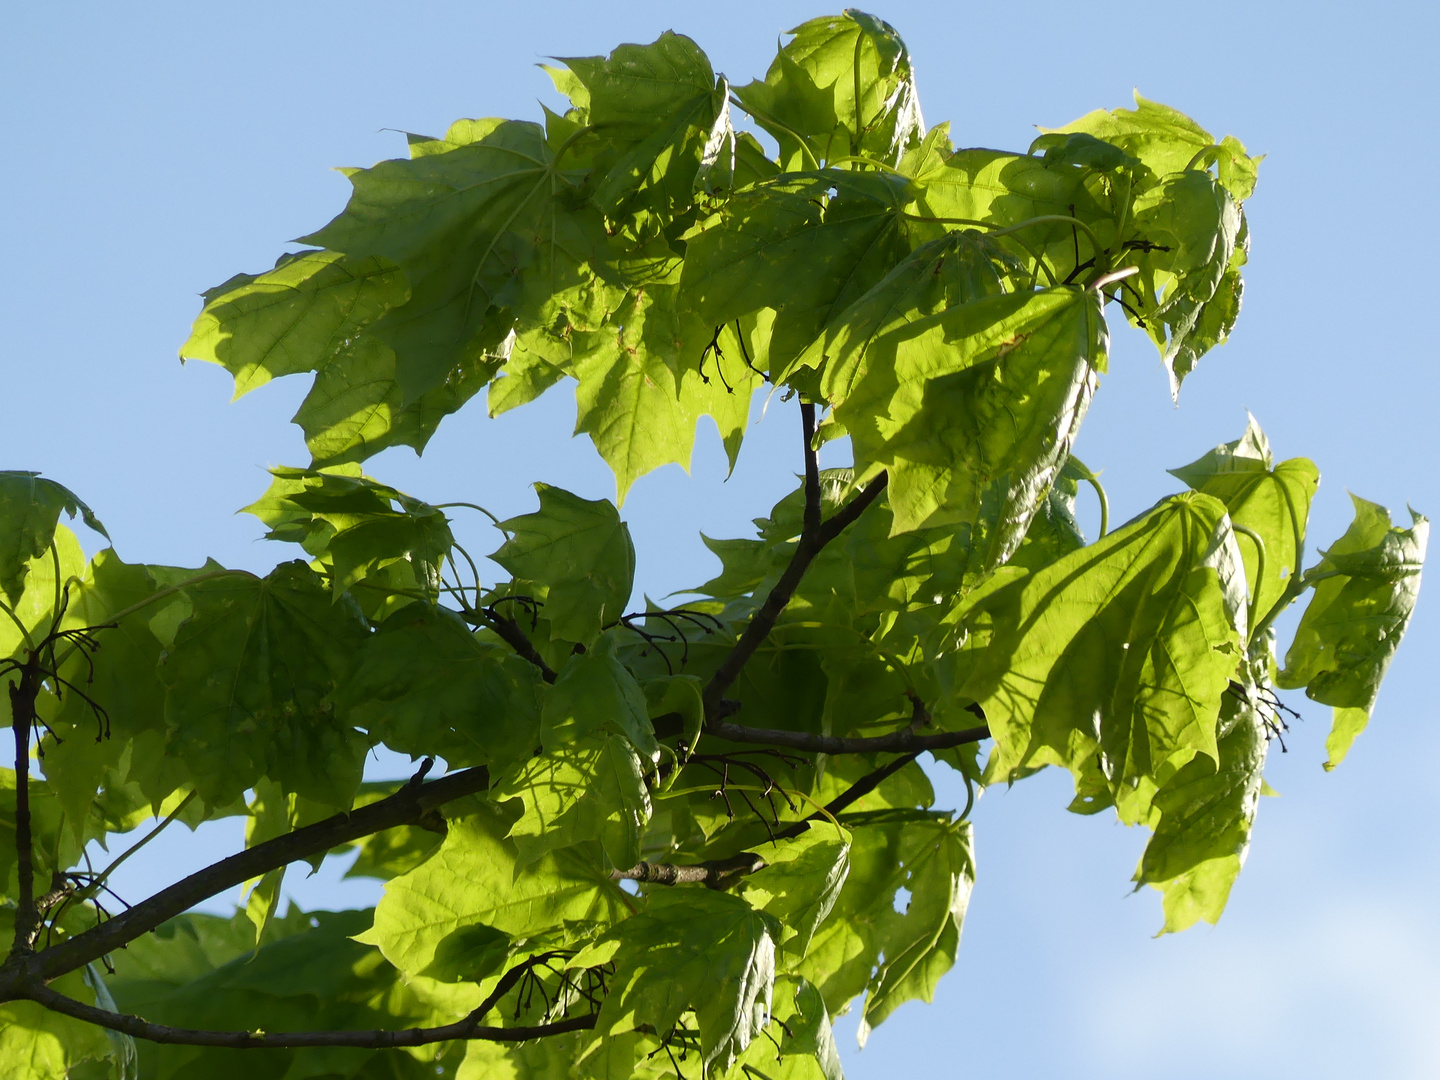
x=155, y=149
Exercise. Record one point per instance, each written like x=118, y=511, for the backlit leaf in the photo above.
x=842, y=85
x=577, y=555
x=1354, y=622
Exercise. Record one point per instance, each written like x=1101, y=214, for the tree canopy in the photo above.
x=653, y=839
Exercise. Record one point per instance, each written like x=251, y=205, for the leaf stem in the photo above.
x=1259, y=542
x=94, y=886
x=1109, y=279
x=1094, y=482
x=163, y=594
x=847, y=158
x=474, y=506
x=15, y=618
x=765, y=118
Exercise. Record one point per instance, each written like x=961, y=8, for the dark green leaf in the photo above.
x=248, y=681
x=653, y=110
x=423, y=684
x=805, y=245
x=357, y=406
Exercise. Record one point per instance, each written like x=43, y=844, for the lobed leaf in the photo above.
x=1354, y=622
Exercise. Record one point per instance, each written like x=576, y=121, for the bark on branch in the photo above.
x=900, y=742
x=721, y=873
x=467, y=1028
x=409, y=804
x=814, y=535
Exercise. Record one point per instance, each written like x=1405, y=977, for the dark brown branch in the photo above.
x=854, y=793
x=510, y=632
x=411, y=803
x=468, y=1028
x=22, y=714
x=718, y=873
x=764, y=620
x=900, y=742
x=811, y=525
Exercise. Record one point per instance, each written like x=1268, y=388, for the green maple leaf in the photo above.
x=577, y=555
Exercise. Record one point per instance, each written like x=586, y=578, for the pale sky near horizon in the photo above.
x=154, y=149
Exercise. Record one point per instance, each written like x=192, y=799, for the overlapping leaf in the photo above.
x=356, y=526
x=489, y=231
x=655, y=116
x=201, y=971
x=1272, y=500
x=1206, y=813
x=1116, y=657
x=423, y=684
x=357, y=406
x=450, y=915
x=691, y=950
x=592, y=789
x=805, y=245
x=893, y=946
x=973, y=410
x=645, y=381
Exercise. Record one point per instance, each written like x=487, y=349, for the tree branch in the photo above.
x=22, y=717
x=899, y=742
x=717, y=873
x=509, y=630
x=764, y=620
x=811, y=520
x=467, y=1028
x=407, y=805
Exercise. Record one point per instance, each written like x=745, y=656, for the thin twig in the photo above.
x=898, y=742
x=810, y=544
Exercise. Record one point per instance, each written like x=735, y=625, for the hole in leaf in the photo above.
x=902, y=900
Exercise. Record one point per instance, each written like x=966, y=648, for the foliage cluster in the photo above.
x=679, y=840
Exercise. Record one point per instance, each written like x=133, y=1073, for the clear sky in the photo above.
x=151, y=150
